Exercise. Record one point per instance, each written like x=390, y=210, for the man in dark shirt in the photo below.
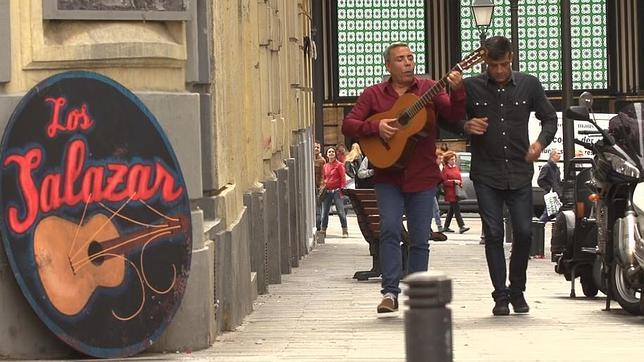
x=409, y=189
x=499, y=103
x=550, y=180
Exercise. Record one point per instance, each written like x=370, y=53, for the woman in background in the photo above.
x=352, y=165
x=334, y=181
x=451, y=180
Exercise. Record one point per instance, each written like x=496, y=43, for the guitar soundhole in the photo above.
x=95, y=248
x=403, y=118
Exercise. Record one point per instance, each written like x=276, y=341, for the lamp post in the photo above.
x=482, y=10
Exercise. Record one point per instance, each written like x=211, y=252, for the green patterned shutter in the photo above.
x=540, y=44
x=365, y=29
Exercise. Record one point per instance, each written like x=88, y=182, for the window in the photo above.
x=540, y=44
x=365, y=29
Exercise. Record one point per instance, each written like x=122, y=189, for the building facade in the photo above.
x=230, y=84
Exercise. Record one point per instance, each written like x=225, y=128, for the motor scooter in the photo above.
x=574, y=236
x=615, y=221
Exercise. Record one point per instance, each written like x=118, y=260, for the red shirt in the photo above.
x=334, y=177
x=421, y=171
x=451, y=173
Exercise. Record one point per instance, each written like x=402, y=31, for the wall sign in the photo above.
x=95, y=216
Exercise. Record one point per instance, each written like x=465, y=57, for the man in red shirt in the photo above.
x=412, y=188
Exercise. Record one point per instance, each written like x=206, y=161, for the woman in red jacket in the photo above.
x=451, y=180
x=334, y=181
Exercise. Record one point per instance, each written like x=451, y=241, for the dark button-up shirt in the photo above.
x=498, y=155
x=420, y=171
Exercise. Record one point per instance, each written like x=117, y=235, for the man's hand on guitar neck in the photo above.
x=455, y=80
x=476, y=126
x=386, y=131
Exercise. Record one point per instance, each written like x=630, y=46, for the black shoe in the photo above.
x=463, y=229
x=519, y=304
x=447, y=230
x=501, y=307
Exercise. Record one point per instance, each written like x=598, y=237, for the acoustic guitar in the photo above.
x=73, y=260
x=412, y=120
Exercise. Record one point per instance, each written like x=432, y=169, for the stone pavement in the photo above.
x=319, y=313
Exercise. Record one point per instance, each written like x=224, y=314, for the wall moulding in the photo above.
x=98, y=43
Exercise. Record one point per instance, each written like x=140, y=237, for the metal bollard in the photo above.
x=428, y=322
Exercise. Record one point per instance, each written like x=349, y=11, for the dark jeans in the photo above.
x=318, y=214
x=392, y=203
x=335, y=197
x=519, y=203
x=545, y=217
x=454, y=210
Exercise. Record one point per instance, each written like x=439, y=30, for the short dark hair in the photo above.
x=498, y=47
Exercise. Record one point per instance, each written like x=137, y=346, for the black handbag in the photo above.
x=460, y=193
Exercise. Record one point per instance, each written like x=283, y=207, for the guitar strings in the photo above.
x=102, y=226
x=69, y=254
x=134, y=221
x=158, y=212
x=81, y=263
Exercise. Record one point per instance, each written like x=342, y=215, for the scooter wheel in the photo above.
x=588, y=285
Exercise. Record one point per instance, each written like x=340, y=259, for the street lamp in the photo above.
x=482, y=10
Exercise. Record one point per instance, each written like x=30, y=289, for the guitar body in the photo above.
x=395, y=152
x=59, y=244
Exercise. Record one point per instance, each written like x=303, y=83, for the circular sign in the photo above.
x=95, y=214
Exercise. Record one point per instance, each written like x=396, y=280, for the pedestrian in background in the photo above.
x=318, y=167
x=334, y=181
x=437, y=210
x=499, y=103
x=340, y=152
x=451, y=180
x=364, y=178
x=352, y=165
x=550, y=180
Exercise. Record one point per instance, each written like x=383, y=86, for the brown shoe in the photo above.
x=388, y=304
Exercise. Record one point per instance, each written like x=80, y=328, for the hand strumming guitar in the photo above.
x=386, y=131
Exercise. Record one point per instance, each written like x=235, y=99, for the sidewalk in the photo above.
x=319, y=313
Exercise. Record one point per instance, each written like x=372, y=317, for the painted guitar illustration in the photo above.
x=74, y=260
x=413, y=119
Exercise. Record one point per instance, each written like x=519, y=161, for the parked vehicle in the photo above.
x=616, y=220
x=470, y=204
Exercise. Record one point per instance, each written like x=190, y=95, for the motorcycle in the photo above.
x=602, y=238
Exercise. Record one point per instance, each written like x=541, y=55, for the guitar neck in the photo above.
x=125, y=243
x=410, y=112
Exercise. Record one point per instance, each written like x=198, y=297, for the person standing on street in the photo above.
x=411, y=189
x=451, y=180
x=550, y=180
x=499, y=103
x=334, y=180
x=318, y=166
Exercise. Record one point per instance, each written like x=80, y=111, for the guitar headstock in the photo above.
x=472, y=59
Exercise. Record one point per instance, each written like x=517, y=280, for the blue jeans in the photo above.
x=318, y=215
x=333, y=196
x=437, y=214
x=392, y=203
x=519, y=203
